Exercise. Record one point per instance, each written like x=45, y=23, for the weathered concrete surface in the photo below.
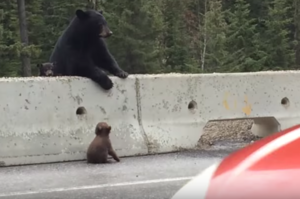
x=148, y=113
x=39, y=122
x=252, y=95
x=144, y=177
x=170, y=123
x=166, y=119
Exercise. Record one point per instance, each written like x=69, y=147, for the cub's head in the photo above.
x=94, y=23
x=46, y=69
x=102, y=129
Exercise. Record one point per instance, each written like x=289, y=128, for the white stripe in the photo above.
x=95, y=186
x=266, y=150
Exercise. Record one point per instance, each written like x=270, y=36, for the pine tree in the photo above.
x=176, y=39
x=10, y=47
x=216, y=28
x=136, y=25
x=241, y=42
x=280, y=54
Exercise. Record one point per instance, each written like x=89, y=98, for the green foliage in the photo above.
x=216, y=30
x=136, y=25
x=161, y=36
x=279, y=48
x=241, y=39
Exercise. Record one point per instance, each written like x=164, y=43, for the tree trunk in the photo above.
x=26, y=67
x=205, y=37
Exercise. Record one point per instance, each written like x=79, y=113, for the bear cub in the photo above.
x=101, y=146
x=46, y=69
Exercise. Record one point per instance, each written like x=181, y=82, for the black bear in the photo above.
x=81, y=50
x=46, y=69
x=101, y=146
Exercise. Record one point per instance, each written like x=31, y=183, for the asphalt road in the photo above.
x=144, y=177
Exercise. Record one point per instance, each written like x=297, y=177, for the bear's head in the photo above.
x=94, y=22
x=46, y=69
x=102, y=129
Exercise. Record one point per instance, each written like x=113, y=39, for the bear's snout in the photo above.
x=49, y=73
x=106, y=32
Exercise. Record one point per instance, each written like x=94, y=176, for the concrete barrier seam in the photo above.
x=139, y=114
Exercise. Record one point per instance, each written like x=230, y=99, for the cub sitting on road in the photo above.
x=101, y=146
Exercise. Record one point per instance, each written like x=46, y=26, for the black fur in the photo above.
x=46, y=69
x=81, y=50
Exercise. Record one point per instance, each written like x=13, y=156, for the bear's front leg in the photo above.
x=114, y=69
x=112, y=153
x=104, y=59
x=98, y=76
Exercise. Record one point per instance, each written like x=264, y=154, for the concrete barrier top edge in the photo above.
x=17, y=79
x=218, y=74
x=37, y=78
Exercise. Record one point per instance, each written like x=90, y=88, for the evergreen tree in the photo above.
x=280, y=54
x=136, y=25
x=216, y=29
x=175, y=39
x=10, y=45
x=242, y=39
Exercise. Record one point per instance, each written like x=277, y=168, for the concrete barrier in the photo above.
x=175, y=108
x=52, y=119
x=39, y=123
x=168, y=121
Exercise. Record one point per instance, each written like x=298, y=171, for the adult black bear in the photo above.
x=81, y=50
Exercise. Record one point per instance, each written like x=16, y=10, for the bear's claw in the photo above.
x=122, y=74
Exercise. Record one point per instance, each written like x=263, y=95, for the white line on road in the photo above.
x=95, y=186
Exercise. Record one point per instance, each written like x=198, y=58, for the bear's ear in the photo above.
x=39, y=65
x=81, y=14
x=101, y=11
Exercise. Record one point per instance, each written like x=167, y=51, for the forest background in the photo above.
x=160, y=36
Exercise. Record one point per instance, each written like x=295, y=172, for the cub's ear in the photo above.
x=39, y=65
x=101, y=11
x=81, y=14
